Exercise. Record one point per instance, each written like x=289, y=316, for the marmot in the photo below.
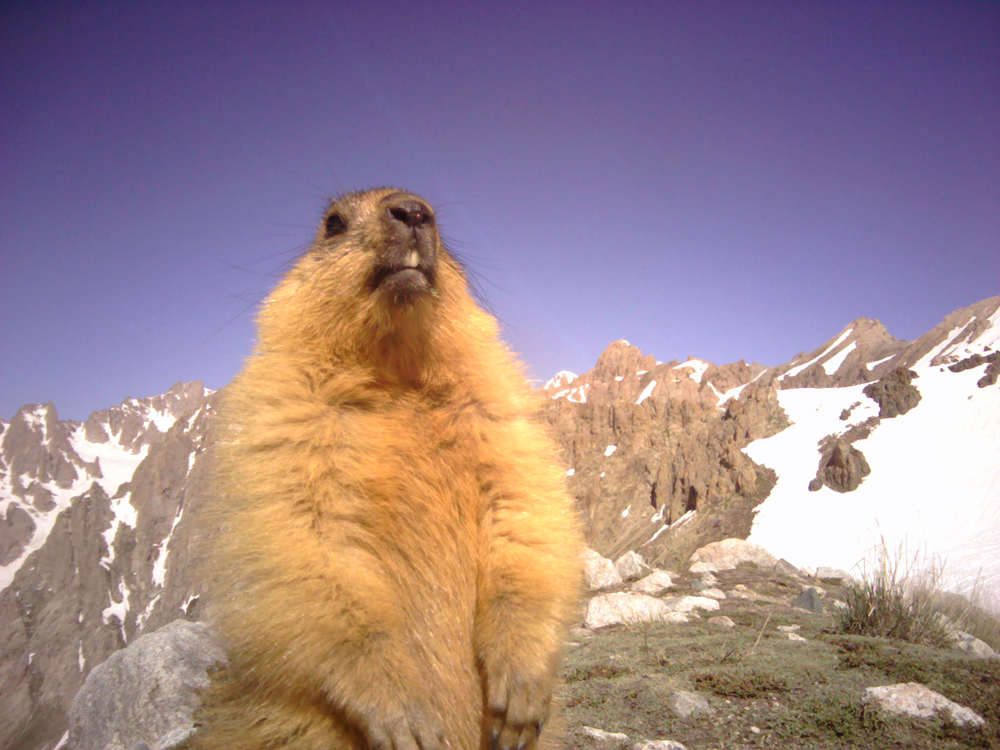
x=399, y=561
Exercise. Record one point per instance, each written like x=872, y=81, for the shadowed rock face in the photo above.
x=895, y=394
x=842, y=468
x=648, y=445
x=117, y=499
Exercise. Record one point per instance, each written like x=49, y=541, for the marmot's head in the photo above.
x=377, y=284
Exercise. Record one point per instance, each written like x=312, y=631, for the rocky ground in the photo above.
x=759, y=672
x=737, y=651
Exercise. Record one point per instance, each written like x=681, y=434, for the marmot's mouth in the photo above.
x=406, y=278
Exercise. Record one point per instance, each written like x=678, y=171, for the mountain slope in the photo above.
x=100, y=517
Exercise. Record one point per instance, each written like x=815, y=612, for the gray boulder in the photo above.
x=145, y=693
x=810, y=601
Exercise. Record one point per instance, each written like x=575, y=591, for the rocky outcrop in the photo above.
x=727, y=554
x=653, y=450
x=842, y=467
x=963, y=332
x=918, y=701
x=991, y=373
x=860, y=353
x=147, y=692
x=98, y=547
x=895, y=394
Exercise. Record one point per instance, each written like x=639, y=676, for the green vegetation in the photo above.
x=767, y=691
x=904, y=599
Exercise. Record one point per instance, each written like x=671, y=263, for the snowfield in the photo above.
x=934, y=490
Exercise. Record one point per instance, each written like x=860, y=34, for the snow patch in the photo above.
x=877, y=362
x=696, y=366
x=162, y=550
x=610, y=449
x=646, y=392
x=944, y=450
x=796, y=370
x=626, y=512
x=117, y=609
x=561, y=378
x=833, y=364
x=570, y=472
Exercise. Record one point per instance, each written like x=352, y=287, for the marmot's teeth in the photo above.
x=412, y=259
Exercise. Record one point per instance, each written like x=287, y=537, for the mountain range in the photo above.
x=864, y=440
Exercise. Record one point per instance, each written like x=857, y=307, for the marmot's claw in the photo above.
x=518, y=712
x=410, y=730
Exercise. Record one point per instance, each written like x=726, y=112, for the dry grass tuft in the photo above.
x=903, y=597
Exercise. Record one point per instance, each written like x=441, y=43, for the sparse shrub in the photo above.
x=895, y=598
x=741, y=683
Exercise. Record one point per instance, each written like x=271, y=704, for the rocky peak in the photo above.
x=971, y=330
x=860, y=353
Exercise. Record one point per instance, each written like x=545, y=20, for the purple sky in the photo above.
x=727, y=180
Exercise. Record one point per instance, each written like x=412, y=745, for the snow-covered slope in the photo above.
x=934, y=488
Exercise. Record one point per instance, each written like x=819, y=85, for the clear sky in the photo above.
x=730, y=180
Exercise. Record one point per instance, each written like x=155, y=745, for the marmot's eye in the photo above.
x=335, y=225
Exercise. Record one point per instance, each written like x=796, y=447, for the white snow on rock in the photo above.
x=799, y=368
x=560, y=379
x=696, y=366
x=646, y=392
x=576, y=395
x=877, y=362
x=933, y=487
x=833, y=364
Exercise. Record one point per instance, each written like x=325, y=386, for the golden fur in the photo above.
x=399, y=561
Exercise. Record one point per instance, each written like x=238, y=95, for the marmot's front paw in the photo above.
x=412, y=729
x=518, y=711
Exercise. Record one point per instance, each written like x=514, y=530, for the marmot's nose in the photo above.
x=410, y=212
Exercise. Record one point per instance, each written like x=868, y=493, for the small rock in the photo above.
x=630, y=566
x=914, y=699
x=786, y=568
x=708, y=579
x=796, y=637
x=722, y=621
x=689, y=603
x=714, y=593
x=971, y=645
x=654, y=583
x=809, y=600
x=685, y=703
x=599, y=571
x=658, y=745
x=730, y=553
x=703, y=567
x=755, y=730
x=624, y=608
x=788, y=628
x=601, y=740
x=832, y=575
